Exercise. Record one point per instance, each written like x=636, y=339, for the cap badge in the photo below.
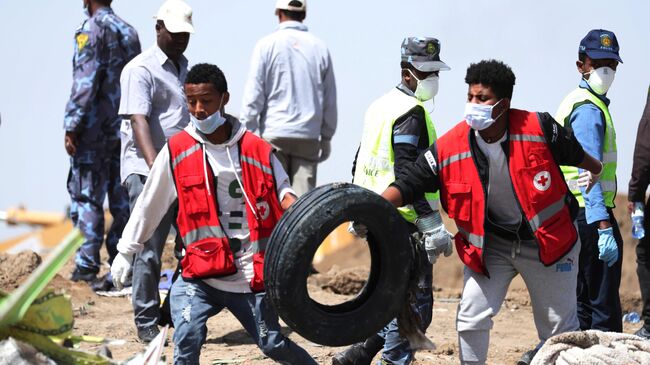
x=606, y=41
x=431, y=48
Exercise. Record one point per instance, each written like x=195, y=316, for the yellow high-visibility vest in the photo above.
x=576, y=98
x=376, y=159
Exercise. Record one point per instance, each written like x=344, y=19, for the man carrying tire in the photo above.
x=499, y=179
x=397, y=129
x=231, y=192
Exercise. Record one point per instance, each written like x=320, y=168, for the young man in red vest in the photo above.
x=499, y=179
x=231, y=191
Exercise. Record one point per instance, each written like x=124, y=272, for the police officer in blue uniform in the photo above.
x=104, y=43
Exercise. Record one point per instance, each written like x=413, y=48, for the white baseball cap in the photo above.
x=291, y=5
x=177, y=16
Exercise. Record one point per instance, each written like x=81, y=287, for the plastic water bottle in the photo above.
x=638, y=231
x=632, y=317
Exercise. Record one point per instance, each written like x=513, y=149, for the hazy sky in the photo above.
x=538, y=39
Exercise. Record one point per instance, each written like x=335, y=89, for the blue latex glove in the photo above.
x=607, y=246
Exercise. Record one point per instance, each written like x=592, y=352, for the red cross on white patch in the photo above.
x=542, y=180
x=263, y=209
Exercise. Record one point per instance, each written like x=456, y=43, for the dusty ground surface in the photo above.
x=227, y=343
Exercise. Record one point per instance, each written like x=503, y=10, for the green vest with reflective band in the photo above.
x=376, y=160
x=576, y=98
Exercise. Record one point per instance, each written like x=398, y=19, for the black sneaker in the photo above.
x=84, y=274
x=148, y=334
x=102, y=285
x=353, y=355
x=527, y=357
x=643, y=333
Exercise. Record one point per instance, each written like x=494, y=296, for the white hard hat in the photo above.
x=292, y=5
x=177, y=16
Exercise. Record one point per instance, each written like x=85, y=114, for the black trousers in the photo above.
x=599, y=304
x=643, y=268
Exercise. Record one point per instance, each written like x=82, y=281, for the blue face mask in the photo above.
x=209, y=124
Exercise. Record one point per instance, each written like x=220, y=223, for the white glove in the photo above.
x=325, y=150
x=587, y=179
x=435, y=238
x=358, y=229
x=121, y=269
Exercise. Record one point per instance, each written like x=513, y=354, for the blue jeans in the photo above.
x=193, y=303
x=397, y=349
x=146, y=266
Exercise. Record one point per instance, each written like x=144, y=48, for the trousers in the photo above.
x=193, y=303
x=551, y=290
x=643, y=268
x=93, y=177
x=299, y=157
x=599, y=304
x=146, y=265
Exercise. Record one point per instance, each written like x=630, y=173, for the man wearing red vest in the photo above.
x=231, y=192
x=499, y=179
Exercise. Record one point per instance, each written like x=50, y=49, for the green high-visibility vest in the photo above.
x=376, y=159
x=576, y=98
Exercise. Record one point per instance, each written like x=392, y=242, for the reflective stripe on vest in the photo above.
x=455, y=158
x=202, y=233
x=474, y=239
x=548, y=212
x=576, y=98
x=376, y=159
x=181, y=156
x=257, y=164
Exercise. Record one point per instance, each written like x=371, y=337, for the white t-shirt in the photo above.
x=503, y=208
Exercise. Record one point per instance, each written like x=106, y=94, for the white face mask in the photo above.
x=479, y=116
x=427, y=88
x=601, y=79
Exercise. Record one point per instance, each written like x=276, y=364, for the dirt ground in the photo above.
x=344, y=272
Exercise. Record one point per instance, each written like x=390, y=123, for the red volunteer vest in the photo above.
x=537, y=181
x=207, y=248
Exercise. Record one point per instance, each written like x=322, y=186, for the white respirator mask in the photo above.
x=427, y=89
x=601, y=79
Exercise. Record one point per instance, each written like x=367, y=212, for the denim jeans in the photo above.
x=146, y=266
x=193, y=303
x=396, y=348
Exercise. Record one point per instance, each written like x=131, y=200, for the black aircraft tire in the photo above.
x=291, y=249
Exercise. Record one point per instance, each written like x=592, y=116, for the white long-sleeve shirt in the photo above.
x=160, y=192
x=290, y=90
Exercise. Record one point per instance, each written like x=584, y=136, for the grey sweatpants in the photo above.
x=552, y=292
x=299, y=157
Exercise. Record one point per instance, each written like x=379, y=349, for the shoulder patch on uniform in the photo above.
x=432, y=161
x=82, y=40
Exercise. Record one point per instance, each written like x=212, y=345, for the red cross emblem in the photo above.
x=263, y=209
x=542, y=180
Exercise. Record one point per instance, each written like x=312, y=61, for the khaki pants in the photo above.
x=299, y=157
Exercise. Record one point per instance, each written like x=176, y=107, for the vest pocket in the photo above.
x=459, y=201
x=556, y=236
x=540, y=183
x=208, y=258
x=194, y=195
x=257, y=283
x=469, y=254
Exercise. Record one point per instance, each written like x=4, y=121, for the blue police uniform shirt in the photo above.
x=104, y=44
x=588, y=126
